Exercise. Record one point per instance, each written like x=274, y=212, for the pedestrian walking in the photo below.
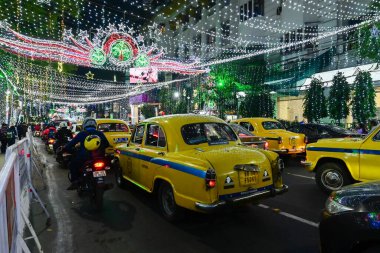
x=3, y=137
x=11, y=135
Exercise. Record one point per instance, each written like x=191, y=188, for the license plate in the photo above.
x=248, y=177
x=50, y=146
x=100, y=173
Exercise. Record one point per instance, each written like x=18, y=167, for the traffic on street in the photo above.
x=189, y=126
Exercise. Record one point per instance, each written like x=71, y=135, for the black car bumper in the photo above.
x=344, y=232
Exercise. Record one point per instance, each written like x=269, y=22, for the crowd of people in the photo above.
x=9, y=134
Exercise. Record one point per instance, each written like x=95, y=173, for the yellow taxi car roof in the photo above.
x=258, y=119
x=101, y=121
x=183, y=119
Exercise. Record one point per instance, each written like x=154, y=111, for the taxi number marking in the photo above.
x=120, y=140
x=248, y=177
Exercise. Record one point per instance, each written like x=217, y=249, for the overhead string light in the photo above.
x=114, y=46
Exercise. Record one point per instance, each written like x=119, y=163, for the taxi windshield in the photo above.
x=269, y=125
x=241, y=131
x=112, y=127
x=211, y=133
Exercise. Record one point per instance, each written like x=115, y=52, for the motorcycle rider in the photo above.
x=49, y=132
x=85, y=137
x=62, y=135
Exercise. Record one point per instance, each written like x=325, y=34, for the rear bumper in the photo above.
x=245, y=198
x=289, y=151
x=307, y=165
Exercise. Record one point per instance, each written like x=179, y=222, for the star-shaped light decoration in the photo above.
x=140, y=38
x=111, y=28
x=100, y=32
x=96, y=41
x=83, y=34
x=374, y=32
x=4, y=24
x=90, y=75
x=67, y=33
x=131, y=31
x=122, y=27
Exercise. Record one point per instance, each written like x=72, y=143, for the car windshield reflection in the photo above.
x=211, y=133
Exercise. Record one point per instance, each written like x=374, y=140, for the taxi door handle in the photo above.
x=137, y=149
x=161, y=153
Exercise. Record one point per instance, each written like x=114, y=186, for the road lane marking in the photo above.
x=291, y=216
x=298, y=175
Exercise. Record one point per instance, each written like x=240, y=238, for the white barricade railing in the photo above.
x=16, y=194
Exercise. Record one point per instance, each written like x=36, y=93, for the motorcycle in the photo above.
x=61, y=156
x=50, y=145
x=92, y=181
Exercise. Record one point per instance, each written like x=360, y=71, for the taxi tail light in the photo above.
x=210, y=178
x=279, y=140
x=117, y=151
x=305, y=140
x=99, y=165
x=266, y=145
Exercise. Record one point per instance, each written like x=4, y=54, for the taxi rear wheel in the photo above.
x=331, y=176
x=169, y=209
x=120, y=181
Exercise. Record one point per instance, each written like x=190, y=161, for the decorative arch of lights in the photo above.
x=111, y=48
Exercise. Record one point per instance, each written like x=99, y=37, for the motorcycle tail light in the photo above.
x=99, y=165
x=210, y=178
x=51, y=141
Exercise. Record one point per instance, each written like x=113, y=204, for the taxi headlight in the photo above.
x=333, y=206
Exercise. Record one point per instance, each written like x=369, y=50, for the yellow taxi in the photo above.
x=196, y=162
x=279, y=140
x=115, y=130
x=339, y=162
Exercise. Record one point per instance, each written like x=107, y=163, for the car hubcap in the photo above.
x=332, y=179
x=168, y=201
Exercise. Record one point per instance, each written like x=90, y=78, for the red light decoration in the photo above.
x=90, y=53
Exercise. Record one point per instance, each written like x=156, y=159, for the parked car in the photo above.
x=279, y=140
x=351, y=220
x=248, y=138
x=196, y=162
x=339, y=162
x=314, y=132
x=115, y=130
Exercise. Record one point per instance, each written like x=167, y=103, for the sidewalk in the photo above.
x=2, y=158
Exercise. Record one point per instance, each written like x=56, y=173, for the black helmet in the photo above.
x=89, y=122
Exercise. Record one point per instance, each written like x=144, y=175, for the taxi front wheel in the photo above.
x=170, y=210
x=332, y=176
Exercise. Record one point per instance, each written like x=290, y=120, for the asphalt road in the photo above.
x=131, y=221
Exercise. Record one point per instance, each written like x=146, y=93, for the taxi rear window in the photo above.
x=211, y=133
x=269, y=125
x=113, y=127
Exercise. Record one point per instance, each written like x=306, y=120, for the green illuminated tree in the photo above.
x=148, y=111
x=339, y=98
x=363, y=101
x=258, y=103
x=314, y=103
